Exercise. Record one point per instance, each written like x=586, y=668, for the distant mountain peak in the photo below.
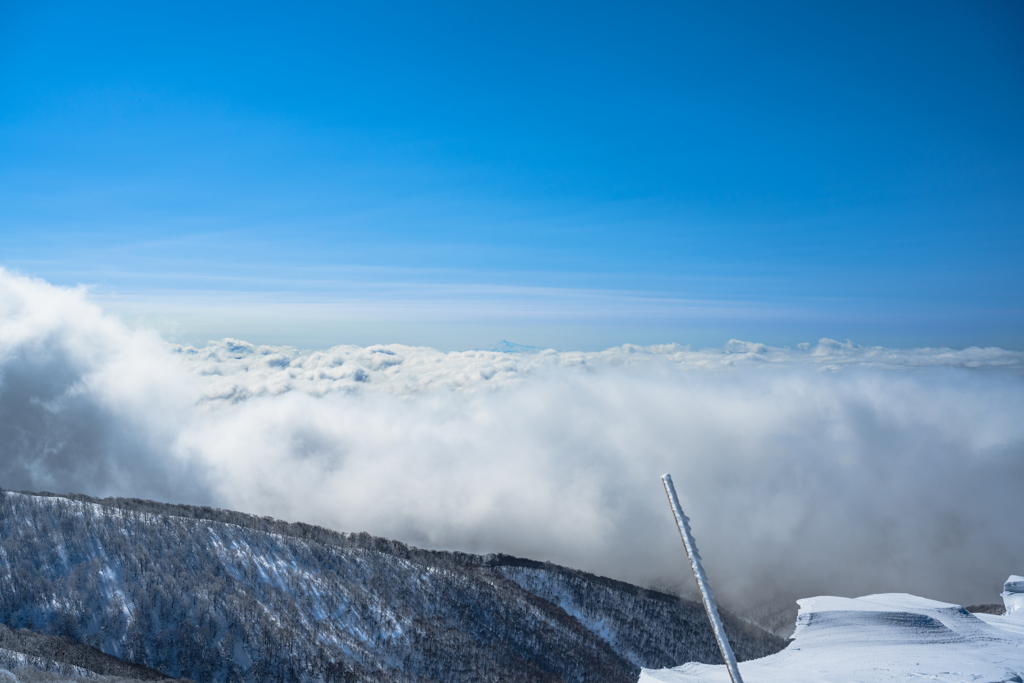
x=505, y=346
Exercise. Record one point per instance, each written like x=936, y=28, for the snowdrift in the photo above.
x=890, y=637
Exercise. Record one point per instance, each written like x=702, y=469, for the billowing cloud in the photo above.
x=829, y=468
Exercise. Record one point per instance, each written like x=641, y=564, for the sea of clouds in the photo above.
x=828, y=468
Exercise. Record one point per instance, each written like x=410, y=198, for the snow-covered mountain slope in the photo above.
x=624, y=614
x=22, y=673
x=214, y=595
x=891, y=637
x=24, y=650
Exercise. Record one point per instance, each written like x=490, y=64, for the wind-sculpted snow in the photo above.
x=219, y=596
x=892, y=637
x=1013, y=594
x=798, y=466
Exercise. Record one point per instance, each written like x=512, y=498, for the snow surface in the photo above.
x=889, y=637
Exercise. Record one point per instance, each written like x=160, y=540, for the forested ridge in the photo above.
x=216, y=595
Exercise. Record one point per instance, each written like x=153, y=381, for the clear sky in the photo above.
x=574, y=175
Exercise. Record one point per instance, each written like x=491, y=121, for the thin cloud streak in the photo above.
x=481, y=301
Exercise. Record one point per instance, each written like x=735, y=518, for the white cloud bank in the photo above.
x=830, y=468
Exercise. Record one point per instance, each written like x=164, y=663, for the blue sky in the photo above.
x=570, y=175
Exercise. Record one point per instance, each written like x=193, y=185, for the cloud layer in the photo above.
x=830, y=468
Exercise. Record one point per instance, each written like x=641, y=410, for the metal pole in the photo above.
x=683, y=522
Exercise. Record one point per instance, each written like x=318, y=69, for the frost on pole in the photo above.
x=683, y=522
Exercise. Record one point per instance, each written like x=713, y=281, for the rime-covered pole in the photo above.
x=683, y=522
